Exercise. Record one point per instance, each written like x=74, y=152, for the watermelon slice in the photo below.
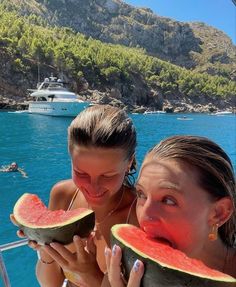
x=164, y=266
x=45, y=226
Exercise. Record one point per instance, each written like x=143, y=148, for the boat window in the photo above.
x=66, y=96
x=42, y=99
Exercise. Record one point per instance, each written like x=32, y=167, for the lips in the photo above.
x=153, y=232
x=96, y=195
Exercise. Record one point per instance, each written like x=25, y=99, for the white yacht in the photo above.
x=222, y=113
x=54, y=99
x=154, y=112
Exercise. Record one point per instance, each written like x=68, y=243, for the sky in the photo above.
x=220, y=14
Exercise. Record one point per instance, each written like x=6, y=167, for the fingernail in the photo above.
x=114, y=250
x=136, y=265
x=75, y=237
x=106, y=251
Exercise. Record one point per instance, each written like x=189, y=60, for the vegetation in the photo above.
x=29, y=40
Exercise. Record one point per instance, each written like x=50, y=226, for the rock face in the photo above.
x=192, y=45
x=186, y=44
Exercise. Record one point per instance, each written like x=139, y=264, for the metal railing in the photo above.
x=3, y=269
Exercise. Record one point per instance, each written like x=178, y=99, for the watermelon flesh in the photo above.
x=44, y=226
x=164, y=266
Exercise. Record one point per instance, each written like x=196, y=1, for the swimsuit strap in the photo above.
x=73, y=199
x=129, y=213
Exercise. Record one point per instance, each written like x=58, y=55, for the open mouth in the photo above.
x=152, y=234
x=162, y=241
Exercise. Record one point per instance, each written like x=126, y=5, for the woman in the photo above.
x=102, y=141
x=185, y=181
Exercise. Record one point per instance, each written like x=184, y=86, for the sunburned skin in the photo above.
x=171, y=206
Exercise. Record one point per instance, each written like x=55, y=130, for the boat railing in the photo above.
x=3, y=270
x=5, y=247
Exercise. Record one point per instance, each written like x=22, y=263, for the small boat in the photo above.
x=184, y=118
x=154, y=112
x=52, y=98
x=222, y=113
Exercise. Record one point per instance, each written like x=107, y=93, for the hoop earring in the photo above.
x=213, y=235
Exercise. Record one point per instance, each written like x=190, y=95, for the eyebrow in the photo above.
x=82, y=171
x=165, y=185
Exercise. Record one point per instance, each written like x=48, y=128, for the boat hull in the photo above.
x=62, y=109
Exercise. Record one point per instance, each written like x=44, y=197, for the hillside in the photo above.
x=191, y=45
x=102, y=72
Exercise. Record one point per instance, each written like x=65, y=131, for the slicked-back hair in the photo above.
x=104, y=126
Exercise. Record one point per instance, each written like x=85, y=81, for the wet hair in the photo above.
x=104, y=126
x=214, y=168
x=14, y=165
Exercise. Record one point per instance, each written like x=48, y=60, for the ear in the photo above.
x=130, y=163
x=221, y=211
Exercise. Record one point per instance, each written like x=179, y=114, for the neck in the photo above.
x=230, y=262
x=221, y=260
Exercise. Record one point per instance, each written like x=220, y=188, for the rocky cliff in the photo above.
x=192, y=45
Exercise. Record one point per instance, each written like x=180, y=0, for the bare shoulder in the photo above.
x=61, y=194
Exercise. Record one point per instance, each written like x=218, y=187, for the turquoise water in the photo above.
x=39, y=145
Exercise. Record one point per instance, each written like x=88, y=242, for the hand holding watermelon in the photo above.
x=19, y=232
x=115, y=273
x=80, y=261
x=44, y=226
x=32, y=244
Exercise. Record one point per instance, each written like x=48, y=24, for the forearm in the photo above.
x=49, y=275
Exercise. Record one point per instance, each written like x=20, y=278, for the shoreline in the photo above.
x=167, y=105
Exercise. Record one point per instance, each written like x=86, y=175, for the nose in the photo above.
x=149, y=212
x=94, y=182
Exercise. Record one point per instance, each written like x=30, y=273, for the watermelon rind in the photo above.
x=81, y=223
x=159, y=274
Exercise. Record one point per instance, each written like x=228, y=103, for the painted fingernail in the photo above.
x=75, y=237
x=114, y=250
x=136, y=265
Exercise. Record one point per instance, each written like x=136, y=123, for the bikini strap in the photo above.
x=73, y=199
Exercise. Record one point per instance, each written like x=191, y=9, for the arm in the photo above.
x=48, y=275
x=23, y=173
x=4, y=168
x=49, y=270
x=115, y=276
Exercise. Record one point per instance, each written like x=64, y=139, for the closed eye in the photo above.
x=80, y=174
x=108, y=175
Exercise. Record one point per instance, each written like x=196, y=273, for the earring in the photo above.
x=214, y=232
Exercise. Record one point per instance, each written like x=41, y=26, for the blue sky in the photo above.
x=220, y=14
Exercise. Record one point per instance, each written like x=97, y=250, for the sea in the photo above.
x=39, y=145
